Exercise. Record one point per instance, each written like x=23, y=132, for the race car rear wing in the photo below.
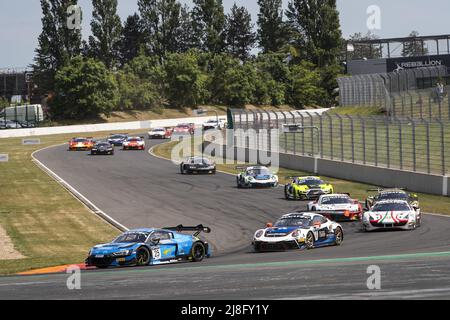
x=247, y=166
x=382, y=189
x=198, y=229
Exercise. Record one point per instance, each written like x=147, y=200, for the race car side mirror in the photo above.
x=269, y=225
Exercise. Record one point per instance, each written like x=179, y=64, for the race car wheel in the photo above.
x=238, y=182
x=198, y=252
x=182, y=170
x=309, y=241
x=339, y=234
x=142, y=256
x=286, y=192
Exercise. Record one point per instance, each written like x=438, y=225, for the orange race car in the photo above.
x=76, y=144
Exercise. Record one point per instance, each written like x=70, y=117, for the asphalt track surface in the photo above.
x=139, y=190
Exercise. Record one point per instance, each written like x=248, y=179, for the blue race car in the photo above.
x=117, y=140
x=142, y=247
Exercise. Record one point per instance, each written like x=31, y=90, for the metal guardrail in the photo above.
x=403, y=143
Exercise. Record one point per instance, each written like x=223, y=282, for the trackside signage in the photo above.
x=399, y=64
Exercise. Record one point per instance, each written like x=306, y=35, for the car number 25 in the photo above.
x=156, y=253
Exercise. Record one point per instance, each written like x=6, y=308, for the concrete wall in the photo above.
x=383, y=177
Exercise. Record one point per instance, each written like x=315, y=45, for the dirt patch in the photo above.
x=7, y=251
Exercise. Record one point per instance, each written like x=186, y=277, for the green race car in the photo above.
x=306, y=188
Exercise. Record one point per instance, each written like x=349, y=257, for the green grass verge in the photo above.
x=44, y=221
x=429, y=203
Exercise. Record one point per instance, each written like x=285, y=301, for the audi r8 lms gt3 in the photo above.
x=77, y=144
x=134, y=143
x=102, y=148
x=256, y=176
x=198, y=165
x=392, y=194
x=391, y=214
x=306, y=188
x=184, y=129
x=299, y=230
x=117, y=139
x=160, y=133
x=143, y=247
x=337, y=207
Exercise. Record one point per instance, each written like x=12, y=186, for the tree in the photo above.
x=306, y=88
x=316, y=29
x=239, y=31
x=414, y=47
x=364, y=50
x=186, y=83
x=85, y=88
x=273, y=77
x=161, y=20
x=209, y=25
x=132, y=39
x=231, y=82
x=57, y=43
x=186, y=36
x=104, y=44
x=317, y=35
x=272, y=31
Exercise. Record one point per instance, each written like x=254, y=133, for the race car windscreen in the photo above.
x=117, y=137
x=80, y=140
x=310, y=182
x=293, y=222
x=336, y=200
x=131, y=238
x=258, y=172
x=393, y=196
x=102, y=144
x=391, y=207
x=134, y=140
x=201, y=161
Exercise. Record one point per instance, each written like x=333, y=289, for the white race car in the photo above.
x=134, y=143
x=301, y=230
x=256, y=177
x=159, y=133
x=213, y=124
x=391, y=214
x=338, y=207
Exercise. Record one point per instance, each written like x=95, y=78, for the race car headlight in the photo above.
x=296, y=234
x=259, y=234
x=122, y=253
x=251, y=179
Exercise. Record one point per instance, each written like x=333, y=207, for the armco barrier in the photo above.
x=412, y=181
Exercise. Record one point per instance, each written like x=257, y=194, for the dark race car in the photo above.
x=198, y=165
x=392, y=194
x=102, y=148
x=117, y=139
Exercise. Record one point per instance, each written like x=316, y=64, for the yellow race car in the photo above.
x=306, y=188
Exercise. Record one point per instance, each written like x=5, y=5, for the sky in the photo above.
x=20, y=21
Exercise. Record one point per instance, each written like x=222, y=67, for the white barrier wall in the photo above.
x=136, y=125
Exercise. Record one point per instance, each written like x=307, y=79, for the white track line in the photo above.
x=75, y=193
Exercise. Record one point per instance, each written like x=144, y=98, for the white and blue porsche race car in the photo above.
x=301, y=230
x=142, y=247
x=256, y=176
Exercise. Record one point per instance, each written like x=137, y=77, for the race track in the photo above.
x=139, y=190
